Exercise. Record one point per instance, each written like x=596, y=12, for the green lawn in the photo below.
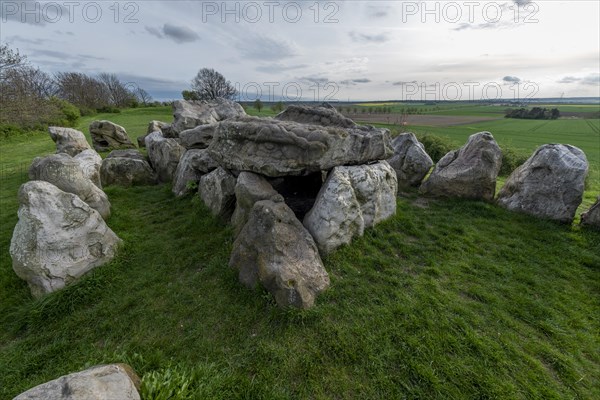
x=446, y=300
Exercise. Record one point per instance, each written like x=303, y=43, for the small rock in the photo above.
x=592, y=216
x=193, y=164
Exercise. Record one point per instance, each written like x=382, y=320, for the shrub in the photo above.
x=436, y=146
x=68, y=114
x=9, y=130
x=109, y=109
x=511, y=159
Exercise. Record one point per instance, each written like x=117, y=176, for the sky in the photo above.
x=321, y=50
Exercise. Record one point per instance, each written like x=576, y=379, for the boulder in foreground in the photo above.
x=58, y=238
x=103, y=382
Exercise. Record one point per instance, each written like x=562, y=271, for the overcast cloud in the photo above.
x=370, y=49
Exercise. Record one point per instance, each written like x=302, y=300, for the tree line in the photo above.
x=31, y=98
x=533, y=113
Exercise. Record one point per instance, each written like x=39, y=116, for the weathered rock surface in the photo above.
x=164, y=155
x=109, y=136
x=58, y=238
x=249, y=189
x=126, y=172
x=469, y=172
x=549, y=184
x=275, y=251
x=68, y=140
x=190, y=114
x=199, y=137
x=592, y=216
x=325, y=115
x=64, y=172
x=103, y=382
x=278, y=148
x=350, y=200
x=193, y=164
x=155, y=126
x=217, y=190
x=90, y=163
x=127, y=153
x=410, y=160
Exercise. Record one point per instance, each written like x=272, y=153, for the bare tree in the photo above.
x=210, y=84
x=143, y=96
x=118, y=94
x=82, y=90
x=10, y=60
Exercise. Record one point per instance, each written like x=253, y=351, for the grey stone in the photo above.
x=469, y=172
x=90, y=163
x=199, y=137
x=109, y=136
x=58, y=238
x=155, y=126
x=164, y=155
x=127, y=153
x=351, y=199
x=190, y=114
x=249, y=189
x=325, y=115
x=278, y=148
x=65, y=172
x=591, y=217
x=68, y=140
x=126, y=172
x=102, y=382
x=275, y=251
x=550, y=184
x=193, y=164
x=217, y=190
x=410, y=160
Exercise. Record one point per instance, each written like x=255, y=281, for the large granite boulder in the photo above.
x=199, y=137
x=90, y=163
x=275, y=251
x=68, y=140
x=127, y=153
x=249, y=189
x=325, y=115
x=410, y=160
x=109, y=136
x=64, y=172
x=351, y=199
x=102, y=382
x=278, y=148
x=217, y=191
x=469, y=172
x=155, y=126
x=549, y=184
x=193, y=164
x=164, y=155
x=190, y=114
x=126, y=172
x=58, y=238
x=591, y=217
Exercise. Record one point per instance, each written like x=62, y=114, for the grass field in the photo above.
x=446, y=300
